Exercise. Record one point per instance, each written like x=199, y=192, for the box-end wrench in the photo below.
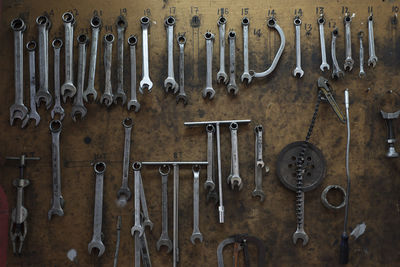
x=57, y=109
x=107, y=97
x=298, y=71
x=235, y=178
x=68, y=89
x=181, y=95
x=349, y=61
x=164, y=239
x=33, y=114
x=209, y=183
x=246, y=74
x=321, y=22
x=121, y=25
x=132, y=41
x=137, y=227
x=196, y=184
x=362, y=72
x=57, y=200
x=221, y=75
x=208, y=91
x=371, y=41
x=336, y=71
x=259, y=163
x=18, y=110
x=124, y=193
x=145, y=82
x=78, y=108
x=99, y=168
x=170, y=83
x=146, y=220
x=232, y=87
x=95, y=24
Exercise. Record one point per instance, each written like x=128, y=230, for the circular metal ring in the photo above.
x=325, y=200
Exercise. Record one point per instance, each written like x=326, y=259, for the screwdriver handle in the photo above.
x=344, y=249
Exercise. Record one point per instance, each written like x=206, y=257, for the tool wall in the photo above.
x=282, y=103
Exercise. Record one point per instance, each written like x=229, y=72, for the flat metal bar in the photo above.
x=195, y=123
x=174, y=162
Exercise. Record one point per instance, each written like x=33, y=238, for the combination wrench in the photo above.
x=181, y=95
x=371, y=41
x=175, y=242
x=107, y=97
x=234, y=179
x=121, y=25
x=196, y=184
x=232, y=87
x=95, y=24
x=246, y=74
x=78, y=108
x=68, y=89
x=321, y=22
x=349, y=61
x=145, y=82
x=209, y=183
x=57, y=109
x=259, y=163
x=132, y=41
x=124, y=193
x=146, y=218
x=298, y=71
x=33, y=114
x=221, y=75
x=170, y=83
x=208, y=90
x=164, y=239
x=336, y=71
x=137, y=228
x=57, y=200
x=362, y=72
x=99, y=169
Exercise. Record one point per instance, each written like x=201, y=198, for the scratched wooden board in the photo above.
x=282, y=103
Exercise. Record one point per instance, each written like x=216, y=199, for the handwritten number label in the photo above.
x=223, y=11
x=345, y=10
x=98, y=13
x=147, y=12
x=298, y=12
x=108, y=28
x=319, y=10
x=245, y=11
x=271, y=13
x=123, y=11
x=194, y=9
x=257, y=32
x=308, y=28
x=395, y=9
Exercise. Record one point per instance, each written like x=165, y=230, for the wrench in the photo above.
x=208, y=90
x=196, y=181
x=372, y=57
x=145, y=82
x=246, y=75
x=95, y=24
x=146, y=221
x=43, y=93
x=209, y=184
x=298, y=71
x=170, y=83
x=68, y=89
x=99, y=168
x=182, y=95
x=132, y=41
x=349, y=61
x=18, y=110
x=138, y=226
x=78, y=108
x=124, y=193
x=33, y=114
x=164, y=238
x=324, y=65
x=232, y=87
x=362, y=72
x=118, y=241
x=336, y=71
x=259, y=164
x=144, y=249
x=221, y=75
x=175, y=240
x=107, y=97
x=235, y=179
x=121, y=26
x=57, y=201
x=57, y=109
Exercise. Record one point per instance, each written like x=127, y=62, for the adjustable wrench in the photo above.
x=372, y=57
x=124, y=193
x=132, y=41
x=33, y=114
x=235, y=179
x=164, y=238
x=57, y=201
x=95, y=24
x=196, y=181
x=99, y=168
x=246, y=75
x=107, y=97
x=336, y=71
x=57, y=109
x=170, y=83
x=208, y=90
x=43, y=93
x=324, y=65
x=18, y=110
x=232, y=87
x=145, y=82
x=221, y=75
x=259, y=164
x=362, y=72
x=209, y=184
x=298, y=71
x=78, y=108
x=68, y=89
x=349, y=61
x=146, y=221
x=121, y=25
x=182, y=95
x=138, y=226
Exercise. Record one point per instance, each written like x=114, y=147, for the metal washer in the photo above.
x=325, y=201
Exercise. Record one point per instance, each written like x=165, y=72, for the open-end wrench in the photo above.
x=99, y=169
x=235, y=178
x=321, y=21
x=259, y=163
x=43, y=93
x=78, y=108
x=208, y=90
x=137, y=249
x=121, y=25
x=246, y=75
x=209, y=183
x=298, y=71
x=362, y=72
x=221, y=75
x=336, y=71
x=181, y=95
x=146, y=219
x=164, y=239
x=300, y=233
x=137, y=227
x=68, y=89
x=57, y=200
x=232, y=87
x=132, y=41
x=145, y=82
x=196, y=184
x=57, y=109
x=124, y=193
x=349, y=61
x=371, y=41
x=170, y=83
x=33, y=114
x=95, y=24
x=107, y=97
x=18, y=110
x=175, y=242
